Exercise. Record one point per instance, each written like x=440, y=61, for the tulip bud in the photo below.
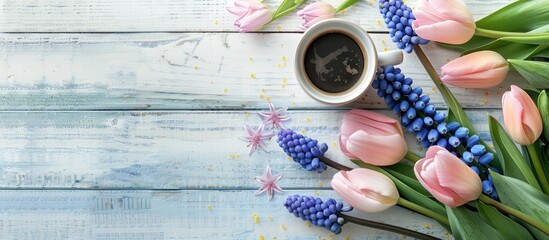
x=482, y=69
x=446, y=21
x=366, y=190
x=316, y=12
x=252, y=15
x=372, y=137
x=447, y=178
x=521, y=117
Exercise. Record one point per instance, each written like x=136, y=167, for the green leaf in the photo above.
x=286, y=7
x=538, y=40
x=405, y=173
x=543, y=107
x=468, y=225
x=514, y=165
x=520, y=16
x=535, y=72
x=406, y=191
x=509, y=228
x=508, y=50
x=521, y=196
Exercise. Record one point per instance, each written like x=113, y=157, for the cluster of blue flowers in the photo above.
x=422, y=118
x=399, y=18
x=303, y=150
x=322, y=214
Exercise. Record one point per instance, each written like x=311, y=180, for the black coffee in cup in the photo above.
x=334, y=62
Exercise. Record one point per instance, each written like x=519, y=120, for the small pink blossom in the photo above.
x=255, y=138
x=274, y=117
x=251, y=15
x=316, y=12
x=269, y=183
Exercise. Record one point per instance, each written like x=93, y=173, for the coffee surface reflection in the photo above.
x=334, y=62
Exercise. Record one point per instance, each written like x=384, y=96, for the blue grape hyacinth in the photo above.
x=399, y=18
x=303, y=150
x=319, y=213
x=430, y=125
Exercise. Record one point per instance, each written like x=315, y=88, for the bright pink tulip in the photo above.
x=482, y=69
x=366, y=190
x=446, y=21
x=522, y=118
x=252, y=15
x=315, y=12
x=372, y=137
x=445, y=176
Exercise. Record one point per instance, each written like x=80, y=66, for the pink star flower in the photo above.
x=255, y=138
x=269, y=183
x=274, y=117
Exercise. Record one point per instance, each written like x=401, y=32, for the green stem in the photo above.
x=346, y=4
x=534, y=222
x=417, y=208
x=297, y=3
x=538, y=168
x=499, y=34
x=334, y=164
x=412, y=156
x=386, y=227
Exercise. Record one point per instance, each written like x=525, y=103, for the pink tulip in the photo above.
x=315, y=12
x=372, y=137
x=447, y=178
x=446, y=21
x=482, y=69
x=252, y=15
x=366, y=190
x=522, y=118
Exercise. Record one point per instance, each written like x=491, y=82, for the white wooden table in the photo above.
x=119, y=120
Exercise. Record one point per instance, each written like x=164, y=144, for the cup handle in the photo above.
x=393, y=57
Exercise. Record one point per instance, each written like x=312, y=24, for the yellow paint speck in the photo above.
x=261, y=237
x=383, y=42
x=251, y=59
x=232, y=155
x=303, y=132
x=283, y=227
x=246, y=114
x=342, y=12
x=210, y=168
x=282, y=45
x=485, y=101
x=347, y=238
x=434, y=89
x=426, y=225
x=331, y=236
x=237, y=155
x=225, y=90
x=283, y=86
x=279, y=65
x=309, y=119
x=294, y=104
x=261, y=96
x=419, y=148
x=289, y=158
x=284, y=80
x=320, y=184
x=268, y=99
x=252, y=75
x=316, y=192
x=195, y=67
x=270, y=218
x=385, y=49
x=335, y=144
x=308, y=224
x=263, y=90
x=210, y=208
x=370, y=3
x=379, y=22
x=256, y=218
x=212, y=82
x=278, y=28
x=283, y=58
x=216, y=22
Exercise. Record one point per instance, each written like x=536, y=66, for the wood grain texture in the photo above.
x=178, y=215
x=169, y=15
x=159, y=150
x=181, y=71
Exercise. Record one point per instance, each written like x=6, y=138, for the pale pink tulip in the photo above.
x=252, y=15
x=522, y=118
x=315, y=12
x=446, y=21
x=372, y=137
x=366, y=190
x=447, y=178
x=482, y=69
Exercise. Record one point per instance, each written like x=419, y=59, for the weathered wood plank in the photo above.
x=168, y=15
x=160, y=150
x=178, y=215
x=179, y=71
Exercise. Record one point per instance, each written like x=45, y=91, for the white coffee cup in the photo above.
x=372, y=59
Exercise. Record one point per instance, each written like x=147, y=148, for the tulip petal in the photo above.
x=255, y=20
x=448, y=31
x=474, y=62
x=454, y=175
x=375, y=149
x=343, y=147
x=486, y=79
x=432, y=186
x=371, y=122
x=512, y=117
x=452, y=9
x=531, y=118
x=374, y=184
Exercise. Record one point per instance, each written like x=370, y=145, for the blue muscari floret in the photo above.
x=399, y=18
x=429, y=124
x=302, y=149
x=317, y=212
